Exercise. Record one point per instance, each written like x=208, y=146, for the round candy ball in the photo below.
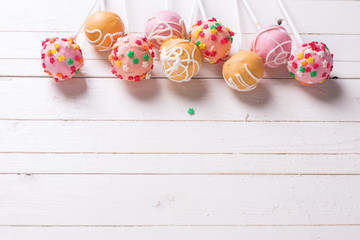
x=164, y=26
x=213, y=39
x=311, y=63
x=102, y=29
x=61, y=58
x=273, y=45
x=132, y=58
x=243, y=71
x=180, y=59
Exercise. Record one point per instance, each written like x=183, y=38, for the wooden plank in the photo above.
x=178, y=200
x=59, y=16
x=179, y=137
x=160, y=99
x=177, y=233
x=210, y=164
x=16, y=48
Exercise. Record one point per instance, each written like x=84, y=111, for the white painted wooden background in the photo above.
x=99, y=158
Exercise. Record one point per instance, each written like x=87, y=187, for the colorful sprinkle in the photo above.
x=302, y=69
x=311, y=59
x=300, y=56
x=191, y=111
x=213, y=37
x=313, y=74
x=304, y=63
x=70, y=61
x=61, y=58
x=294, y=64
x=118, y=63
x=135, y=61
x=130, y=54
x=291, y=74
x=197, y=43
x=146, y=57
x=202, y=46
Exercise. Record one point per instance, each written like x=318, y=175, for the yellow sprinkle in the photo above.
x=202, y=46
x=311, y=60
x=227, y=29
x=118, y=63
x=61, y=58
x=200, y=29
x=196, y=35
x=57, y=46
x=53, y=51
x=300, y=56
x=77, y=46
x=213, y=31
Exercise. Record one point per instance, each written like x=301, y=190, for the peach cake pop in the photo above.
x=61, y=58
x=163, y=26
x=102, y=29
x=243, y=71
x=180, y=59
x=132, y=58
x=213, y=39
x=311, y=63
x=273, y=45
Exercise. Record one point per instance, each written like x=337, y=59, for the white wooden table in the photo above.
x=99, y=158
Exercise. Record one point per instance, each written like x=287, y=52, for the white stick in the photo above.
x=91, y=9
x=251, y=13
x=102, y=5
x=298, y=39
x=192, y=14
x=202, y=10
x=167, y=5
x=241, y=40
x=126, y=19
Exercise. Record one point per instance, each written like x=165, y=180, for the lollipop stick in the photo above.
x=102, y=5
x=167, y=4
x=126, y=16
x=91, y=9
x=202, y=10
x=291, y=23
x=251, y=13
x=192, y=14
x=241, y=40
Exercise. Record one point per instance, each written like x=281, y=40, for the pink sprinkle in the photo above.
x=207, y=53
x=56, y=80
x=232, y=33
x=113, y=71
x=213, y=37
x=138, y=42
x=116, y=58
x=65, y=77
x=144, y=39
x=219, y=28
x=316, y=65
x=52, y=60
x=43, y=65
x=292, y=57
x=213, y=54
x=205, y=26
x=64, y=39
x=77, y=58
x=294, y=64
x=308, y=69
x=202, y=34
x=199, y=23
x=224, y=40
x=304, y=45
x=307, y=55
x=119, y=76
x=42, y=55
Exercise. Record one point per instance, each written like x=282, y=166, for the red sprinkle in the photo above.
x=324, y=74
x=43, y=65
x=52, y=60
x=207, y=53
x=130, y=78
x=213, y=37
x=308, y=69
x=316, y=65
x=232, y=33
x=307, y=55
x=138, y=42
x=292, y=57
x=294, y=64
x=199, y=22
x=202, y=34
x=144, y=39
x=219, y=28
x=205, y=26
x=137, y=78
x=113, y=71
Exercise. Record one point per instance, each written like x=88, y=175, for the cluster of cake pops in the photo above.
x=181, y=54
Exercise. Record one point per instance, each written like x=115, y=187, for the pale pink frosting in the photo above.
x=311, y=63
x=213, y=39
x=273, y=45
x=61, y=58
x=132, y=58
x=163, y=26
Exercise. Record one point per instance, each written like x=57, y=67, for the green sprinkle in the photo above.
x=232, y=39
x=302, y=69
x=291, y=74
x=327, y=48
x=198, y=43
x=313, y=74
x=146, y=57
x=70, y=61
x=189, y=39
x=217, y=24
x=77, y=71
x=135, y=61
x=213, y=27
x=191, y=111
x=130, y=54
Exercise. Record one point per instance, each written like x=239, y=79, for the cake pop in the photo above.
x=244, y=70
x=180, y=59
x=163, y=26
x=132, y=58
x=102, y=29
x=62, y=58
x=272, y=43
x=312, y=62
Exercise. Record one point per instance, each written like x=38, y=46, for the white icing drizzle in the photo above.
x=173, y=55
x=108, y=35
x=230, y=82
x=155, y=34
x=275, y=61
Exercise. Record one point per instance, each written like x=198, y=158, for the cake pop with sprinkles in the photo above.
x=245, y=69
x=163, y=26
x=132, y=58
x=272, y=43
x=180, y=59
x=311, y=63
x=212, y=38
x=62, y=58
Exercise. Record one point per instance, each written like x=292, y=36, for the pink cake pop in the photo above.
x=132, y=58
x=312, y=62
x=213, y=39
x=164, y=26
x=61, y=58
